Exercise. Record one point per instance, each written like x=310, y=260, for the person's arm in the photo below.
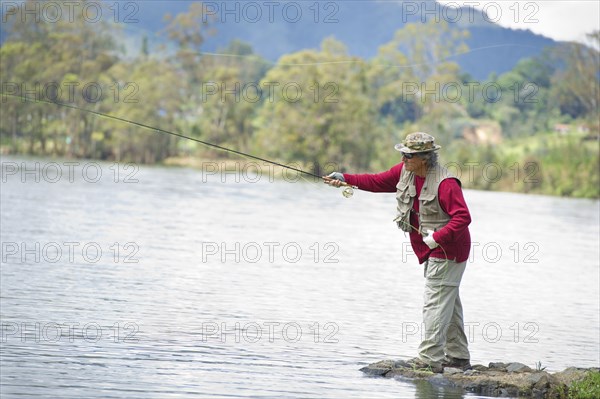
x=453, y=203
x=384, y=182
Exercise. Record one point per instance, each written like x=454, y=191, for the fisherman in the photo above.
x=432, y=209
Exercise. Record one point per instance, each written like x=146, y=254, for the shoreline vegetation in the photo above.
x=501, y=379
x=535, y=165
x=533, y=129
x=545, y=164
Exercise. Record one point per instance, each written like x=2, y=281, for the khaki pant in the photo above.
x=442, y=312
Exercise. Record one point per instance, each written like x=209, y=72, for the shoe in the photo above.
x=463, y=364
x=418, y=364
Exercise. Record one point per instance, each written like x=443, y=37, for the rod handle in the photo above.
x=342, y=183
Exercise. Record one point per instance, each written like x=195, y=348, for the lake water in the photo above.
x=172, y=282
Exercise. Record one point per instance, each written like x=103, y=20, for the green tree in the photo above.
x=414, y=64
x=157, y=86
x=576, y=88
x=320, y=111
x=41, y=56
x=229, y=96
x=188, y=31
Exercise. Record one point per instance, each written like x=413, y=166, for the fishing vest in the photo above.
x=431, y=215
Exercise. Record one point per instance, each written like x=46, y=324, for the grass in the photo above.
x=548, y=164
x=588, y=388
x=538, y=366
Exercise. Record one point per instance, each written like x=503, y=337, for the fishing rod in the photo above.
x=348, y=191
x=348, y=188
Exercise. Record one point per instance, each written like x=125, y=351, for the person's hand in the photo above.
x=334, y=179
x=428, y=239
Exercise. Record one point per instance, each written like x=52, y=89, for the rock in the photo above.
x=516, y=367
x=402, y=363
x=538, y=394
x=440, y=380
x=486, y=387
x=498, y=366
x=500, y=379
x=452, y=370
x=379, y=369
x=536, y=377
x=543, y=382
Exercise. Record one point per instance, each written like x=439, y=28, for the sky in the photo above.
x=558, y=19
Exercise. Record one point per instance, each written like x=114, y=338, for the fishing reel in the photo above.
x=348, y=190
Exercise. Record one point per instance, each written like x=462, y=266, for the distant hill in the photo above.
x=362, y=25
x=275, y=28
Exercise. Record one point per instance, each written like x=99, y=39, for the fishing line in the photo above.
x=159, y=130
x=353, y=60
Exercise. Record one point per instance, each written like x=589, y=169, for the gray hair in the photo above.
x=431, y=159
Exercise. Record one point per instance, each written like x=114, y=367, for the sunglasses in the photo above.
x=410, y=156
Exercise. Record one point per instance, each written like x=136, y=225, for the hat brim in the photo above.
x=404, y=149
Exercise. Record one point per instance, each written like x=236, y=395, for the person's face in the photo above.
x=413, y=162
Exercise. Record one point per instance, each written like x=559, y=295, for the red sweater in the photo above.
x=454, y=238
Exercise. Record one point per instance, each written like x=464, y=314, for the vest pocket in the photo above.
x=403, y=221
x=428, y=205
x=404, y=206
x=405, y=194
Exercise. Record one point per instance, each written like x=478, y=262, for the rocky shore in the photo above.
x=496, y=379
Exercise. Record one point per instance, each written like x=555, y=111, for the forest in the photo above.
x=537, y=124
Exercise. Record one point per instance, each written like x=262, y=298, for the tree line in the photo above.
x=315, y=106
